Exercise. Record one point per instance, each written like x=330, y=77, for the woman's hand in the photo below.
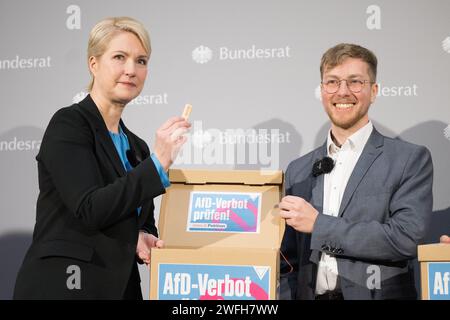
x=169, y=140
x=146, y=242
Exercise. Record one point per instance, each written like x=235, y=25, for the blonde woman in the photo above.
x=97, y=180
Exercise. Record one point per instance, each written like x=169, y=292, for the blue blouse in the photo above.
x=121, y=143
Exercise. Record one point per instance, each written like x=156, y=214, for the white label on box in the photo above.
x=213, y=282
x=238, y=212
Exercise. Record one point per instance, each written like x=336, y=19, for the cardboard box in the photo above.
x=434, y=262
x=214, y=273
x=222, y=234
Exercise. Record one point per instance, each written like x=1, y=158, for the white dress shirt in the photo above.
x=335, y=182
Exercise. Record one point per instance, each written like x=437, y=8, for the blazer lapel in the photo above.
x=370, y=152
x=111, y=151
x=317, y=196
x=136, y=151
x=102, y=134
x=317, y=185
x=136, y=155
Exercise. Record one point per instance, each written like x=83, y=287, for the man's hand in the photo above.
x=146, y=242
x=445, y=239
x=299, y=214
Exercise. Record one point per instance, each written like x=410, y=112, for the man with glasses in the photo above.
x=357, y=207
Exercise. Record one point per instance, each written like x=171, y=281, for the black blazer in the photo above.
x=86, y=211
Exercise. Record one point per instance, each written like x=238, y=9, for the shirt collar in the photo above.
x=356, y=141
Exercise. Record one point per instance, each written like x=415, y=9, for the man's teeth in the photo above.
x=344, y=105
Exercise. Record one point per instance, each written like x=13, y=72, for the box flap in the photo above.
x=246, y=177
x=434, y=252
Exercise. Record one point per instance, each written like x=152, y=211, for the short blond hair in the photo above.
x=105, y=30
x=337, y=54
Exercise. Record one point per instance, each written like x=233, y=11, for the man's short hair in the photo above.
x=337, y=54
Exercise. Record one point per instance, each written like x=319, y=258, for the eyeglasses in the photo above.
x=354, y=85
